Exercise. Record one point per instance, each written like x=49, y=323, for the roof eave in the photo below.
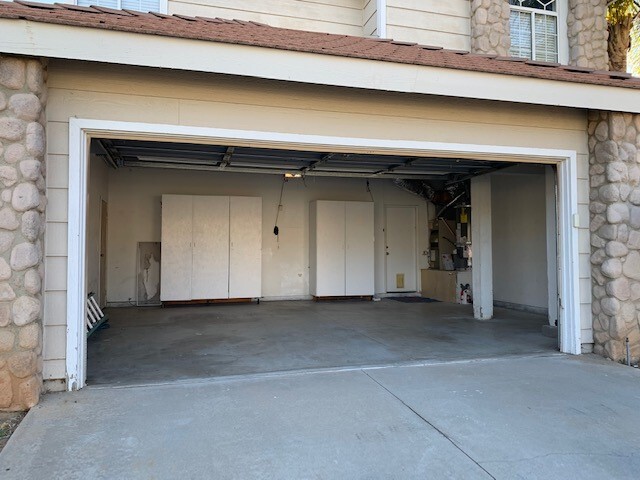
x=115, y=47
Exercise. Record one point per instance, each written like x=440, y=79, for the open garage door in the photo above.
x=138, y=172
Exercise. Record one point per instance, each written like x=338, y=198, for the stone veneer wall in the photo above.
x=22, y=205
x=614, y=144
x=588, y=34
x=490, y=27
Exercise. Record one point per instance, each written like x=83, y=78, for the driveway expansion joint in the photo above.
x=425, y=420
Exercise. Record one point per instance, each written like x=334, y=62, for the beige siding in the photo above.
x=183, y=98
x=430, y=22
x=332, y=16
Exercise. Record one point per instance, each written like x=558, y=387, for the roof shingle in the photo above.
x=260, y=35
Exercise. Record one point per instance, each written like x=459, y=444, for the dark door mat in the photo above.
x=413, y=299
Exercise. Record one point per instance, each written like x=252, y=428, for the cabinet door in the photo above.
x=359, y=255
x=175, y=272
x=330, y=249
x=210, y=279
x=245, y=247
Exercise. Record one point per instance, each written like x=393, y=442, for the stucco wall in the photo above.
x=519, y=239
x=184, y=98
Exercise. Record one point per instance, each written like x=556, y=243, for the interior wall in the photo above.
x=98, y=191
x=519, y=237
x=135, y=216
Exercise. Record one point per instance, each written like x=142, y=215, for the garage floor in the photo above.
x=153, y=345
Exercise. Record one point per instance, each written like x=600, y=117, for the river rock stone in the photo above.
x=5, y=314
x=611, y=268
x=12, y=73
x=11, y=128
x=631, y=266
x=23, y=96
x=25, y=197
x=6, y=392
x=619, y=289
x=14, y=153
x=616, y=249
x=31, y=225
x=26, y=309
x=6, y=292
x=26, y=106
x=30, y=169
x=8, y=175
x=616, y=213
x=7, y=340
x=29, y=391
x=22, y=364
x=29, y=336
x=25, y=255
x=35, y=141
x=490, y=32
x=588, y=34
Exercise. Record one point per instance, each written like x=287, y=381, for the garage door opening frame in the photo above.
x=81, y=131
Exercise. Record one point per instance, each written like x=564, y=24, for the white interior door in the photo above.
x=359, y=268
x=175, y=274
x=210, y=278
x=400, y=235
x=245, y=247
x=330, y=248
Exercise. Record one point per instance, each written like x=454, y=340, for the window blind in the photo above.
x=534, y=35
x=142, y=5
x=100, y=3
x=546, y=28
x=521, y=39
x=137, y=5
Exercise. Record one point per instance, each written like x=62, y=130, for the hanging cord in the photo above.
x=370, y=192
x=276, y=230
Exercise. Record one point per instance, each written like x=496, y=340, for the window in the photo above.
x=138, y=5
x=534, y=29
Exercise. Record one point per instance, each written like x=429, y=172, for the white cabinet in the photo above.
x=176, y=256
x=211, y=247
x=245, y=247
x=210, y=251
x=341, y=248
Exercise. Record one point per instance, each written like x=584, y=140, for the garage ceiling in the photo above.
x=186, y=156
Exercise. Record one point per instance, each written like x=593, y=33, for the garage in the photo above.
x=223, y=259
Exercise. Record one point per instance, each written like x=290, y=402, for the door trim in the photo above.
x=102, y=265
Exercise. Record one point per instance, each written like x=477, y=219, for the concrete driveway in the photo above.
x=527, y=417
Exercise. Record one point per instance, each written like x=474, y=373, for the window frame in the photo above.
x=560, y=13
x=163, y=5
